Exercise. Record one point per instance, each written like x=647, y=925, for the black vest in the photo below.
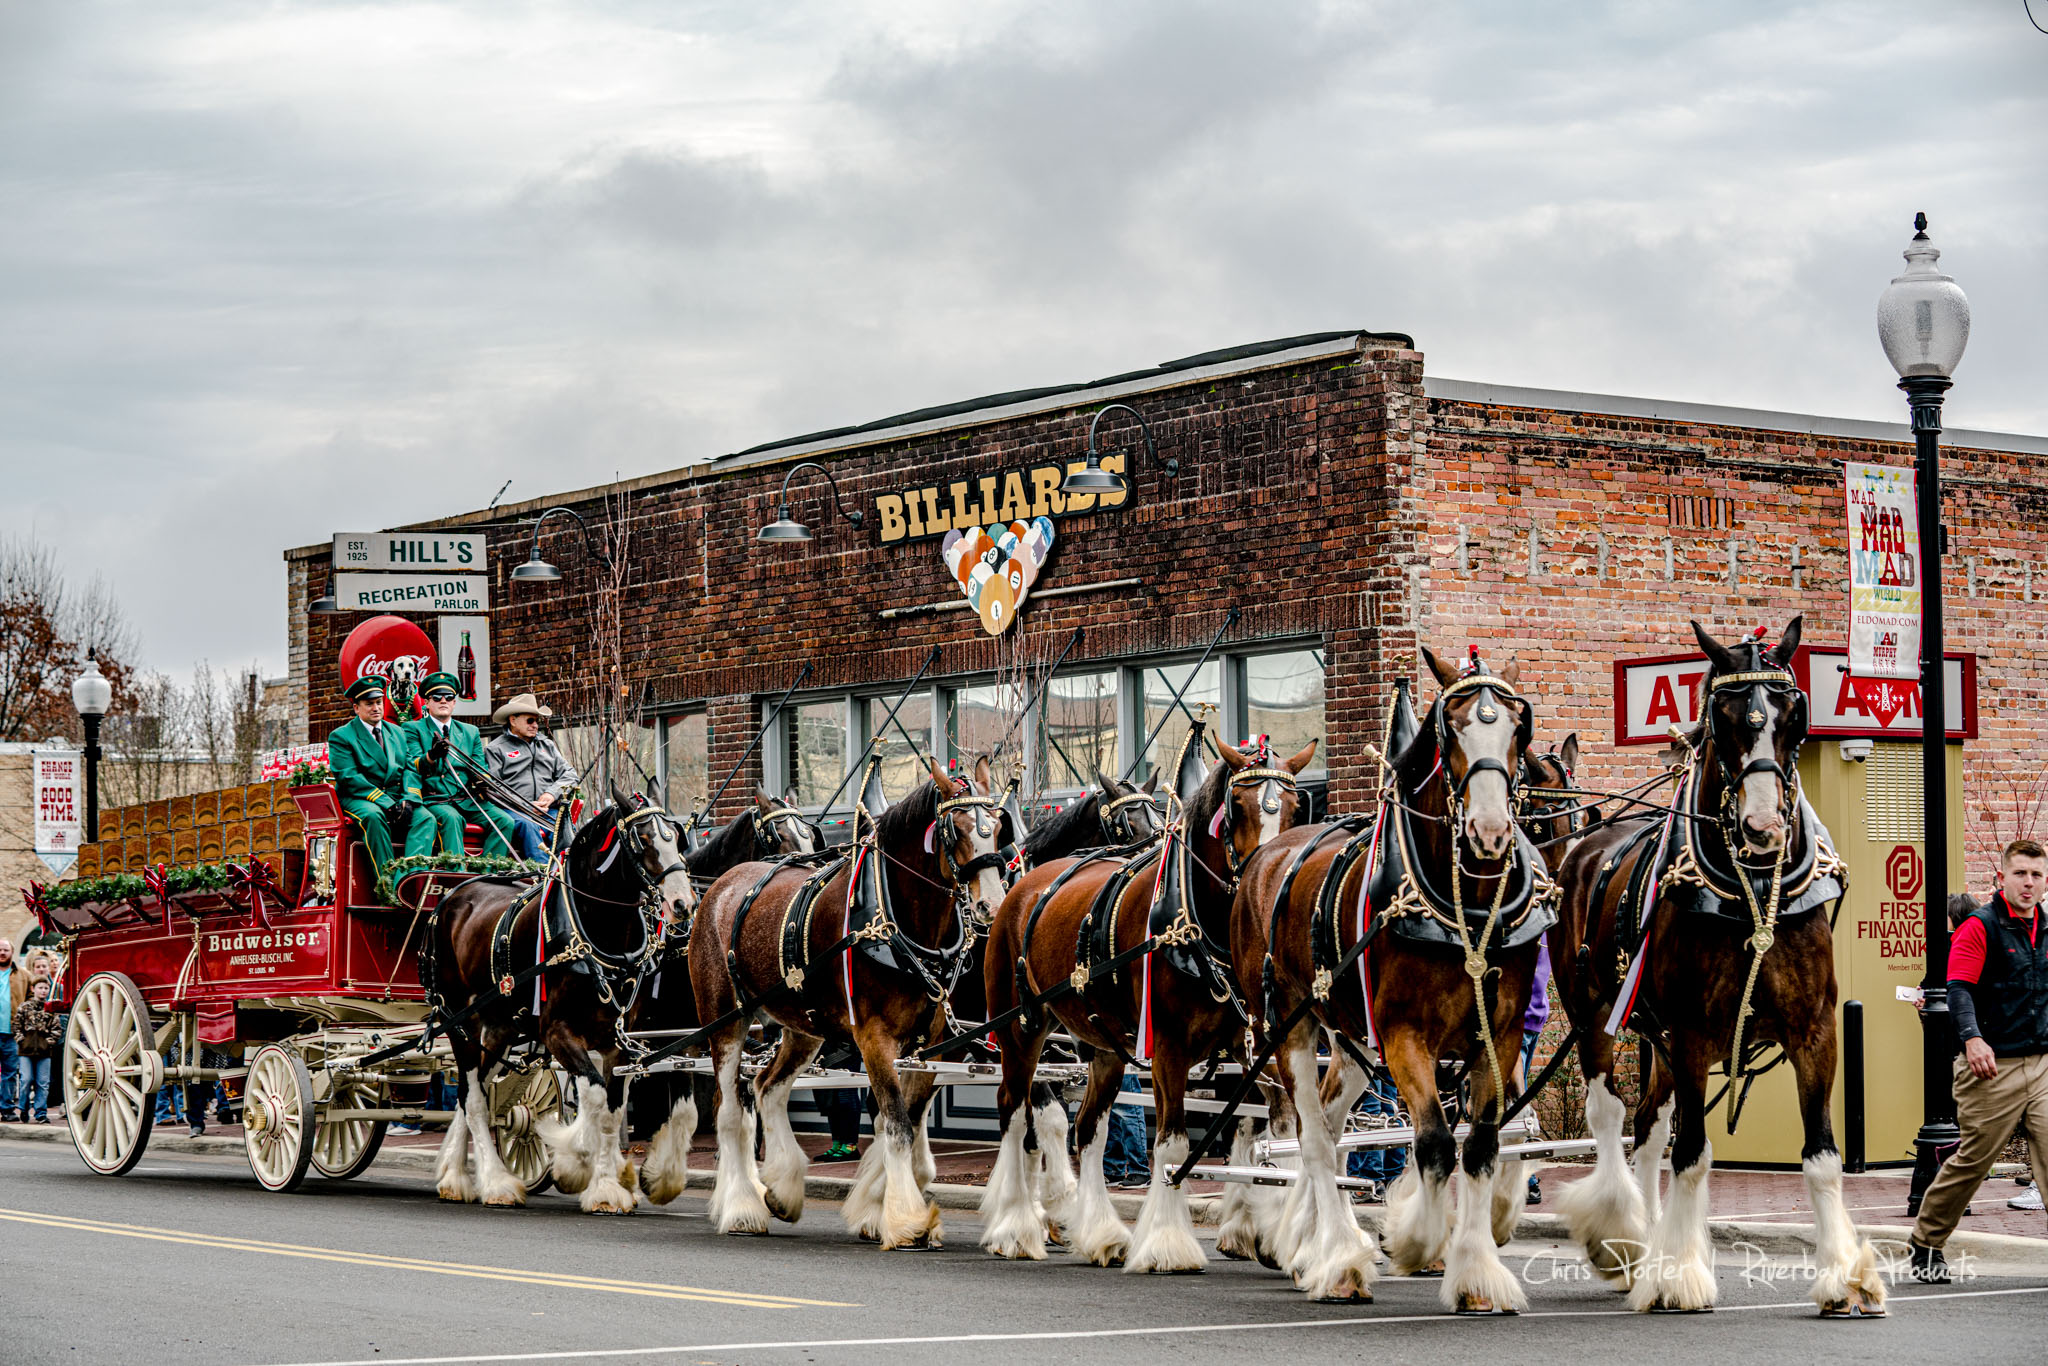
x=2011, y=994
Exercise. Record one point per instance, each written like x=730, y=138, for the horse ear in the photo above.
x=1152, y=783
x=789, y=796
x=1568, y=752
x=763, y=800
x=1300, y=761
x=1105, y=786
x=1511, y=672
x=938, y=774
x=619, y=797
x=981, y=779
x=1234, y=757
x=1789, y=646
x=1723, y=658
x=1446, y=674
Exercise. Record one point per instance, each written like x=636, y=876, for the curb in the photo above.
x=1993, y=1254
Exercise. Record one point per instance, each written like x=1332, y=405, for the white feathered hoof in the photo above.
x=569, y=1157
x=918, y=1233
x=665, y=1173
x=605, y=1195
x=457, y=1187
x=503, y=1190
x=1860, y=1294
x=1604, y=1212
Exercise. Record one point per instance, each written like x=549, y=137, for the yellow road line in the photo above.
x=558, y=1280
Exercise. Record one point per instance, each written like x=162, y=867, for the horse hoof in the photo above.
x=1680, y=1309
x=1477, y=1304
x=1854, y=1308
x=1268, y=1260
x=1433, y=1270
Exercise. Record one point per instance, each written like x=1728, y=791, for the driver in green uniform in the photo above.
x=446, y=755
x=375, y=779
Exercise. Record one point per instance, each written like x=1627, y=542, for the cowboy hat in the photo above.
x=525, y=704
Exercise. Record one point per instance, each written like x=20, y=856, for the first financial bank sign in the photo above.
x=1015, y=495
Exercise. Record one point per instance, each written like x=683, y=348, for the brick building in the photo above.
x=1345, y=503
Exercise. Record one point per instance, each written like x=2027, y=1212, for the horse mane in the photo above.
x=905, y=821
x=716, y=851
x=1412, y=765
x=1053, y=829
x=1208, y=799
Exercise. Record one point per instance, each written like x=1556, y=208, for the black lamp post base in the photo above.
x=1931, y=1145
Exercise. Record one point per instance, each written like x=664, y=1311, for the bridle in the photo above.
x=767, y=840
x=1762, y=686
x=1490, y=689
x=1271, y=782
x=1119, y=817
x=988, y=824
x=635, y=843
x=1530, y=808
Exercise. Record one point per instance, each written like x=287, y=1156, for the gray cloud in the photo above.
x=275, y=271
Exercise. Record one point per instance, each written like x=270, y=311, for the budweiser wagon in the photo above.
x=292, y=976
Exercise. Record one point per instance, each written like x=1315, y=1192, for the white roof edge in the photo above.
x=1666, y=410
x=977, y=417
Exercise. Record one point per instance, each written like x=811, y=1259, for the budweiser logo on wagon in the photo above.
x=301, y=951
x=1654, y=694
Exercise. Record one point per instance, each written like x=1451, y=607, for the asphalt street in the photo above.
x=186, y=1260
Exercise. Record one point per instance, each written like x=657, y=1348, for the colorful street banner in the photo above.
x=60, y=810
x=1884, y=572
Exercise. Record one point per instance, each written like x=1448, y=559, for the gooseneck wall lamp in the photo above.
x=538, y=570
x=787, y=528
x=1092, y=478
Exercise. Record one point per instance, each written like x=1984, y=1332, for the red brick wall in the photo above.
x=1578, y=477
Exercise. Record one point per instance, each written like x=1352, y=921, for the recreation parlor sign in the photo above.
x=1025, y=495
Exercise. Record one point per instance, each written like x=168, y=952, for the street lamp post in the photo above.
x=1924, y=322
x=91, y=694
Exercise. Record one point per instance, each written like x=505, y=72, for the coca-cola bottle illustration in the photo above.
x=465, y=669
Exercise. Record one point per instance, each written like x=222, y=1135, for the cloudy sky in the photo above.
x=270, y=271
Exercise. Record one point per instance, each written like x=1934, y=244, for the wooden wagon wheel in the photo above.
x=519, y=1099
x=111, y=1074
x=278, y=1118
x=345, y=1148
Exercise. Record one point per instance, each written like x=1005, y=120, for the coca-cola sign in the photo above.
x=395, y=650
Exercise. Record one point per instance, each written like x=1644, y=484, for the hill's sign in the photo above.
x=1015, y=495
x=1652, y=695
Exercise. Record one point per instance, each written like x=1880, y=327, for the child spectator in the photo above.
x=37, y=1035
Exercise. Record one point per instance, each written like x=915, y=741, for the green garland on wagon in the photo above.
x=204, y=877
x=399, y=869
x=307, y=775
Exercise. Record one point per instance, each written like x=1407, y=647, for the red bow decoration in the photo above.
x=252, y=882
x=157, y=879
x=38, y=905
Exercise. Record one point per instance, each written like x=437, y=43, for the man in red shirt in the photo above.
x=1998, y=998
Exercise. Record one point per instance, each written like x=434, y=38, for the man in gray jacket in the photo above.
x=527, y=762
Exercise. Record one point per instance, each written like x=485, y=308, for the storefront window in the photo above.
x=580, y=746
x=1160, y=685
x=817, y=749
x=978, y=718
x=1283, y=699
x=689, y=763
x=902, y=742
x=1077, y=730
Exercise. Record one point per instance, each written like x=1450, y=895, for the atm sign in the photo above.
x=1652, y=695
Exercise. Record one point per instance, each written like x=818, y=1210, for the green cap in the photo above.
x=367, y=688
x=440, y=678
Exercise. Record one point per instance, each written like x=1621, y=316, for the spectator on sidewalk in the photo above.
x=841, y=1108
x=1532, y=1029
x=13, y=991
x=1380, y=1167
x=1998, y=998
x=1126, y=1162
x=37, y=1035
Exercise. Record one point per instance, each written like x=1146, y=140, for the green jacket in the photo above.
x=365, y=771
x=444, y=783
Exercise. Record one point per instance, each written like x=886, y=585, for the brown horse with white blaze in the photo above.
x=1066, y=919
x=1704, y=929
x=1443, y=845
x=862, y=949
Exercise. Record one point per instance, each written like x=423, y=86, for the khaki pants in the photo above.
x=1987, y=1112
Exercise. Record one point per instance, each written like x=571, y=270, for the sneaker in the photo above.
x=9, y=1117
x=840, y=1152
x=402, y=1131
x=1371, y=1193
x=2026, y=1199
x=198, y=1129
x=1535, y=1191
x=1929, y=1266
x=1135, y=1181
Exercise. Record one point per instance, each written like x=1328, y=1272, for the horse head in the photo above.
x=969, y=831
x=1482, y=728
x=779, y=828
x=1256, y=802
x=1129, y=814
x=1552, y=818
x=1755, y=720
x=654, y=843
